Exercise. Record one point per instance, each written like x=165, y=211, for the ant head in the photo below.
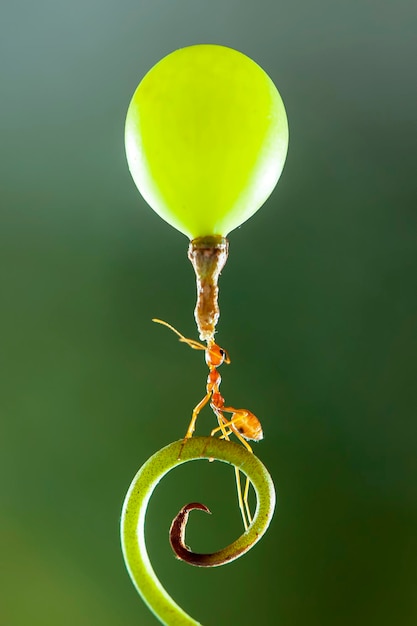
x=215, y=355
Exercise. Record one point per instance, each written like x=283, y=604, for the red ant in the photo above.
x=244, y=424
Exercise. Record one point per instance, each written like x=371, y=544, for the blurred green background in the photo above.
x=318, y=311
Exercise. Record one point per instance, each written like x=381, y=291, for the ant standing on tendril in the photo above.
x=244, y=424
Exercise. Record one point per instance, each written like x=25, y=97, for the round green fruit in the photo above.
x=206, y=139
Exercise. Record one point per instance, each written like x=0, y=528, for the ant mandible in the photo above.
x=244, y=424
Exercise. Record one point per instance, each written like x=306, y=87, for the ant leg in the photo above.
x=221, y=427
x=245, y=498
x=242, y=500
x=230, y=424
x=196, y=411
x=246, y=490
x=224, y=425
x=242, y=504
x=191, y=427
x=226, y=435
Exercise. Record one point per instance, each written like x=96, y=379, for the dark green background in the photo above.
x=318, y=304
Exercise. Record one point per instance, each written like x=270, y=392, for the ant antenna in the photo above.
x=190, y=342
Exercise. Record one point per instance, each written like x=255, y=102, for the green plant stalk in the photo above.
x=136, y=502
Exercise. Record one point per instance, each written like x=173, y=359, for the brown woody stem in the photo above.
x=208, y=256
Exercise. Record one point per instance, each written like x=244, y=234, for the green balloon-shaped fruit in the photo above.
x=206, y=139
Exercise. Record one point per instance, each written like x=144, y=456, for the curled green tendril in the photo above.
x=136, y=502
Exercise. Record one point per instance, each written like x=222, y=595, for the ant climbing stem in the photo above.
x=242, y=423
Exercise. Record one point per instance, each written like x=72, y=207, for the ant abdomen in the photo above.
x=247, y=425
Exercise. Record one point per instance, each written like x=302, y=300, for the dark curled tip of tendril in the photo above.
x=177, y=536
x=210, y=559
